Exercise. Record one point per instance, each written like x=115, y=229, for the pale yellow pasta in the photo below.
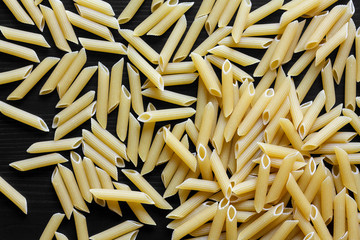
x=307, y=81
x=301, y=9
x=123, y=114
x=121, y=195
x=280, y=179
x=314, y=23
x=298, y=196
x=71, y=73
x=202, y=99
x=52, y=226
x=315, y=182
x=92, y=178
x=38, y=162
x=98, y=5
x=140, y=182
x=351, y=215
x=174, y=79
x=166, y=114
x=140, y=45
x=350, y=83
x=261, y=222
x=133, y=139
x=241, y=20
x=343, y=53
x=205, y=8
x=170, y=169
x=233, y=55
x=319, y=223
x=199, y=185
x=97, y=16
x=15, y=75
x=65, y=25
x=207, y=122
x=328, y=85
x=55, y=30
x=275, y=150
x=231, y=223
x=99, y=160
x=195, y=222
x=217, y=139
x=204, y=162
x=263, y=30
x=73, y=109
x=300, y=65
x=326, y=132
x=264, y=65
x=357, y=52
x=60, y=236
x=331, y=44
x=54, y=146
x=137, y=208
x=238, y=73
x=81, y=179
x=135, y=89
x=328, y=148
x=146, y=136
x=190, y=38
x=33, y=78
x=220, y=173
x=155, y=17
x=345, y=169
x=90, y=26
x=214, y=16
x=285, y=229
x=324, y=26
x=75, y=121
x=275, y=103
x=78, y=85
x=248, y=42
x=18, y=12
x=24, y=36
x=115, y=84
x=72, y=188
x=291, y=133
x=34, y=13
x=228, y=13
x=62, y=193
x=144, y=67
x=284, y=44
x=23, y=116
x=177, y=13
x=272, y=129
x=129, y=11
x=172, y=41
x=103, y=46
x=106, y=183
x=239, y=112
x=102, y=95
x=57, y=73
x=178, y=177
x=102, y=148
x=212, y=40
x=290, y=52
x=344, y=19
x=117, y=230
x=128, y=236
x=262, y=183
x=169, y=96
x=219, y=219
x=339, y=214
x=326, y=118
x=246, y=140
x=323, y=5
x=18, y=51
x=327, y=192
x=263, y=12
x=311, y=114
x=80, y=226
x=256, y=111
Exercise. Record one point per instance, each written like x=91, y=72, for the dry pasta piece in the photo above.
x=129, y=11
x=214, y=16
x=103, y=46
x=118, y=230
x=133, y=139
x=62, y=193
x=33, y=78
x=219, y=219
x=18, y=51
x=135, y=89
x=350, y=83
x=328, y=85
x=11, y=193
x=301, y=9
x=93, y=178
x=166, y=114
x=34, y=13
x=115, y=84
x=54, y=146
x=24, y=36
x=97, y=16
x=81, y=226
x=65, y=25
x=241, y=20
x=38, y=162
x=52, y=226
x=15, y=75
x=212, y=40
x=81, y=179
x=23, y=116
x=18, y=12
x=98, y=5
x=123, y=114
x=102, y=95
x=233, y=55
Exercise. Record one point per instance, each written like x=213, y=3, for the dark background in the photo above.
x=16, y=137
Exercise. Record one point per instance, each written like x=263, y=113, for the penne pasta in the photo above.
x=18, y=51
x=214, y=15
x=54, y=146
x=328, y=85
x=15, y=75
x=52, y=226
x=23, y=116
x=102, y=95
x=263, y=11
x=24, y=36
x=65, y=25
x=233, y=55
x=357, y=52
x=93, y=178
x=350, y=83
x=123, y=114
x=263, y=30
x=135, y=89
x=297, y=11
x=133, y=139
x=103, y=46
x=81, y=226
x=97, y=16
x=80, y=174
x=155, y=4
x=264, y=65
x=61, y=192
x=345, y=169
x=169, y=96
x=78, y=85
x=34, y=13
x=98, y=5
x=166, y=114
x=115, y=84
x=241, y=20
x=212, y=40
x=326, y=118
x=90, y=26
x=121, y=195
x=18, y=12
x=129, y=11
x=247, y=42
x=117, y=230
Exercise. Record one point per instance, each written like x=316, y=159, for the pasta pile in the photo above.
x=266, y=165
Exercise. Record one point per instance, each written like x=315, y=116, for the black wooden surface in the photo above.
x=15, y=137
